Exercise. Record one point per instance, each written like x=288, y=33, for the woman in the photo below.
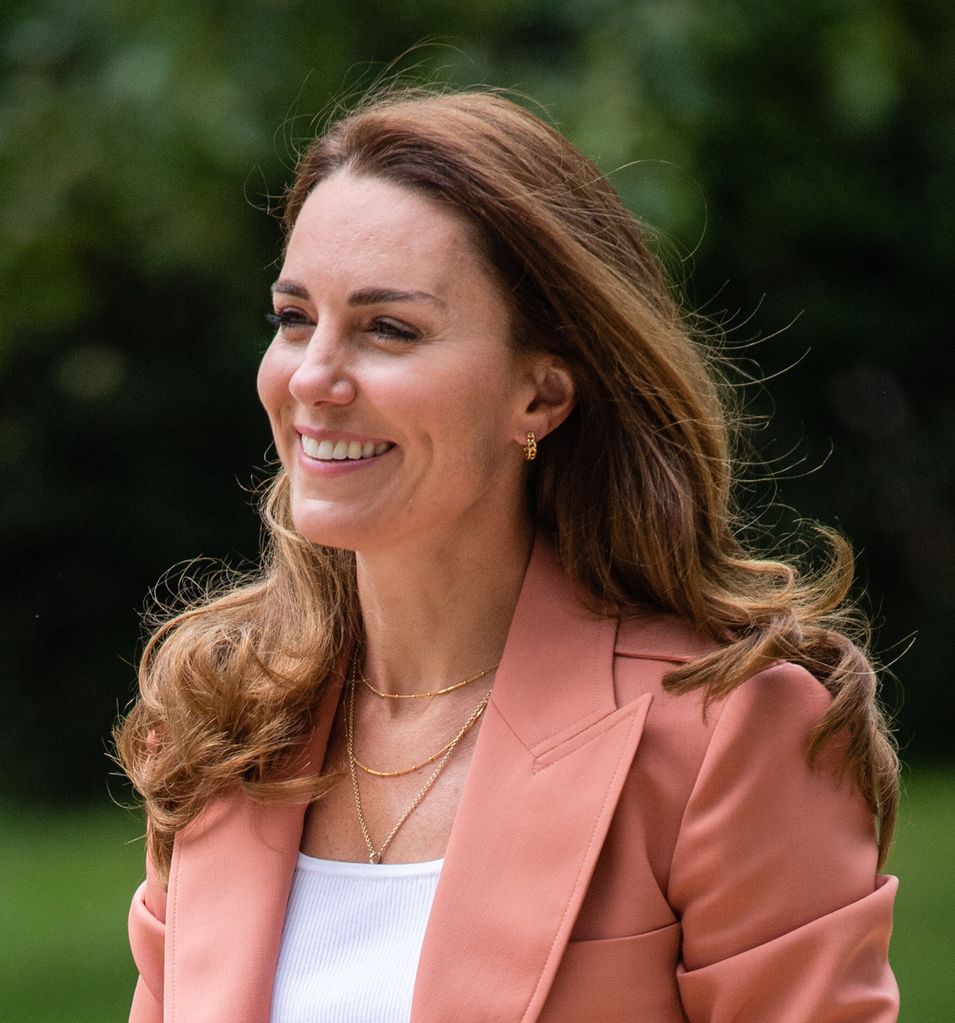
x=510, y=726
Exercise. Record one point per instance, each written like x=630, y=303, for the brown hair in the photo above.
x=634, y=489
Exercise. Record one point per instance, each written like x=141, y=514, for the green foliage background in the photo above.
x=798, y=161
x=797, y=158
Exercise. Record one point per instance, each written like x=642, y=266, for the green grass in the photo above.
x=67, y=878
x=923, y=942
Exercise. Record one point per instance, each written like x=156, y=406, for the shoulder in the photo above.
x=693, y=752
x=651, y=645
x=767, y=718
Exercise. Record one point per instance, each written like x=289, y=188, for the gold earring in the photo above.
x=530, y=448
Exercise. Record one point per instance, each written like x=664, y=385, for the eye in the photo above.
x=393, y=330
x=290, y=324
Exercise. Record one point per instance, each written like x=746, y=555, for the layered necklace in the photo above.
x=442, y=756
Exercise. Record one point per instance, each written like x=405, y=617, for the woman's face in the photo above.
x=396, y=400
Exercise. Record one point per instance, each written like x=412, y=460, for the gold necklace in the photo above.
x=424, y=763
x=374, y=855
x=434, y=692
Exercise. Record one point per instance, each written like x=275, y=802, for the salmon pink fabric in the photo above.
x=617, y=854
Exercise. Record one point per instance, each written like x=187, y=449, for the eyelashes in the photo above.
x=393, y=330
x=288, y=321
x=286, y=318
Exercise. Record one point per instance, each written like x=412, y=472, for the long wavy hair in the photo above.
x=635, y=489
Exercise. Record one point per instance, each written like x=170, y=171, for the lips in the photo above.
x=343, y=450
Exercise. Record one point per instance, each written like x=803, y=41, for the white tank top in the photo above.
x=352, y=940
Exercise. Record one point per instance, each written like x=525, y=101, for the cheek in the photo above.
x=272, y=381
x=471, y=427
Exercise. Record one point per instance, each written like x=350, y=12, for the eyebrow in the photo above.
x=365, y=296
x=286, y=287
x=377, y=296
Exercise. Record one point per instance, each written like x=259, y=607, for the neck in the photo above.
x=440, y=612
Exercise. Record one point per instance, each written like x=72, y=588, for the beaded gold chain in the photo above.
x=433, y=692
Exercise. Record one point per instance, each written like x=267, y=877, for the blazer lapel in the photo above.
x=229, y=884
x=549, y=765
x=550, y=762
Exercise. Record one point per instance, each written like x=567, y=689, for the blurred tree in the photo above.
x=798, y=161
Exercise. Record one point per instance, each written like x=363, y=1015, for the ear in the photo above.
x=551, y=397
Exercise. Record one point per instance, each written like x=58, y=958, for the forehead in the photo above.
x=371, y=226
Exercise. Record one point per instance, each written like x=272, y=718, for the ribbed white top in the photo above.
x=352, y=940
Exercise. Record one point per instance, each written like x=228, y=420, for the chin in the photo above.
x=326, y=531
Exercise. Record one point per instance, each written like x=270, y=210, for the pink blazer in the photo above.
x=615, y=856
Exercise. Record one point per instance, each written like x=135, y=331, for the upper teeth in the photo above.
x=342, y=449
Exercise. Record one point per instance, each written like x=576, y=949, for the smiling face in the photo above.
x=396, y=400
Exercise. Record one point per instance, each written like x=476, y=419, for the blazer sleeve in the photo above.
x=147, y=939
x=774, y=872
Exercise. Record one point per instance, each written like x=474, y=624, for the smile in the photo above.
x=343, y=450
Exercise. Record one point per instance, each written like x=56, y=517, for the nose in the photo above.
x=324, y=373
